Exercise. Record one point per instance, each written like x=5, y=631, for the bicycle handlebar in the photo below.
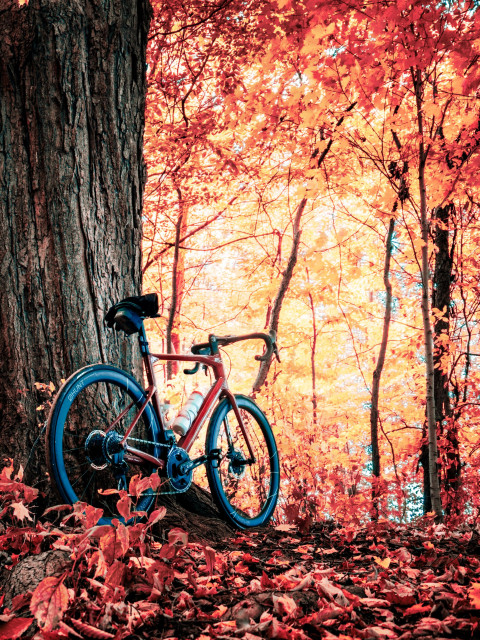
x=206, y=348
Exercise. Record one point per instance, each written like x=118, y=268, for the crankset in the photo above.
x=179, y=469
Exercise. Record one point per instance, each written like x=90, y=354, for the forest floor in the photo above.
x=382, y=581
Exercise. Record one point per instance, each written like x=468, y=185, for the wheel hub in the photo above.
x=94, y=449
x=177, y=461
x=102, y=449
x=113, y=448
x=237, y=464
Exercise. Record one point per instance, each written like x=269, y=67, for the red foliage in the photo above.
x=382, y=581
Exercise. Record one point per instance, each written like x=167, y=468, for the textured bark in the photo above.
x=427, y=325
x=441, y=299
x=377, y=374
x=72, y=88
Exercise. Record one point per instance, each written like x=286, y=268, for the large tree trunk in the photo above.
x=72, y=89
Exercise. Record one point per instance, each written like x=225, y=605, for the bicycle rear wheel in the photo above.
x=83, y=452
x=245, y=490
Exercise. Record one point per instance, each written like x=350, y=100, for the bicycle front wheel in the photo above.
x=244, y=488
x=88, y=419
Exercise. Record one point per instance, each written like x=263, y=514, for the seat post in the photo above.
x=143, y=342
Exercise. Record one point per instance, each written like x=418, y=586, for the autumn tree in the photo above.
x=417, y=127
x=72, y=117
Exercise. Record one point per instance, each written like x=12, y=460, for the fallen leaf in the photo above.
x=49, y=602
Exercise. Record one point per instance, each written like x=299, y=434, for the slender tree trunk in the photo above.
x=282, y=290
x=441, y=298
x=427, y=326
x=178, y=287
x=317, y=160
x=378, y=373
x=312, y=360
x=72, y=90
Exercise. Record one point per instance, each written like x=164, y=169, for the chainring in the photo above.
x=180, y=481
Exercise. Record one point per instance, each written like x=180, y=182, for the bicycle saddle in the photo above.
x=128, y=314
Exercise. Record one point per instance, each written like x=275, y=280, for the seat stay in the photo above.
x=150, y=391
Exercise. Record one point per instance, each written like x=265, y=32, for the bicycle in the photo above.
x=104, y=429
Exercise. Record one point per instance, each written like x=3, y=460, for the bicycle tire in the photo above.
x=245, y=493
x=87, y=403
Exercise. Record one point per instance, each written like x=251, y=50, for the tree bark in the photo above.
x=72, y=92
x=427, y=325
x=378, y=373
x=178, y=286
x=282, y=290
x=441, y=299
x=312, y=360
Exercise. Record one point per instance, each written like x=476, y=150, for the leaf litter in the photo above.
x=381, y=581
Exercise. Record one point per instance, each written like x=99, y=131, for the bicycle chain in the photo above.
x=155, y=444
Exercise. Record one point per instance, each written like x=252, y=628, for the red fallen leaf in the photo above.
x=167, y=552
x=330, y=612
x=49, y=602
x=210, y=559
x=68, y=630
x=242, y=569
x=114, y=544
x=402, y=594
x=6, y=472
x=97, y=560
x=91, y=632
x=402, y=555
x=247, y=557
x=305, y=583
x=284, y=605
x=20, y=601
x=374, y=602
x=266, y=582
x=14, y=628
x=417, y=608
x=58, y=507
x=380, y=632
x=92, y=516
x=219, y=612
x=116, y=574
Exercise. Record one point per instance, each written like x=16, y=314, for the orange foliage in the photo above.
x=244, y=98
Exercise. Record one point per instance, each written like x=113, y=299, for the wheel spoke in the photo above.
x=246, y=490
x=83, y=462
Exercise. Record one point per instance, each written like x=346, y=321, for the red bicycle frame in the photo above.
x=218, y=389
